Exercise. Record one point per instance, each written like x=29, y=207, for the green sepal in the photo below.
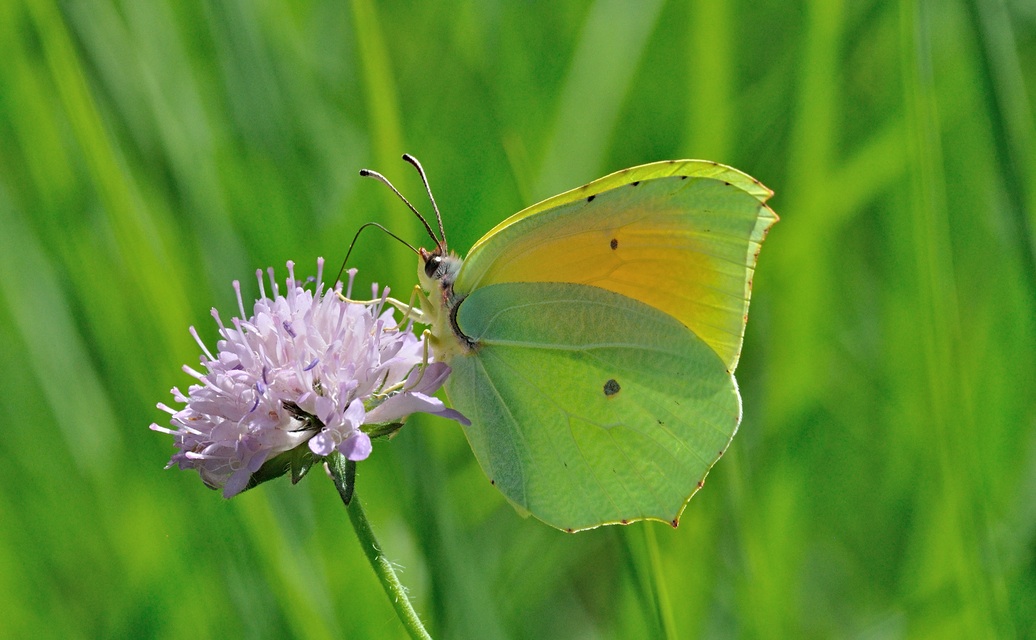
x=301, y=459
x=343, y=474
x=298, y=461
x=382, y=429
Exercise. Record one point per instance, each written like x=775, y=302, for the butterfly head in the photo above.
x=438, y=269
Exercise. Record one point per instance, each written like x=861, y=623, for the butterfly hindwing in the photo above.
x=589, y=407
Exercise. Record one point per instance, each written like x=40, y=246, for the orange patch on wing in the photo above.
x=658, y=256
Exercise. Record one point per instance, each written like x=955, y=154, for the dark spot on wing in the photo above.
x=611, y=388
x=633, y=184
x=591, y=198
x=615, y=243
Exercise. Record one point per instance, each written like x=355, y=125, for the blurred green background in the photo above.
x=883, y=483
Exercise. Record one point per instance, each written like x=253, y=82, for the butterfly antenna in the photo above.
x=368, y=173
x=424, y=178
x=356, y=237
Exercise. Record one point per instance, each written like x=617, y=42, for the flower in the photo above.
x=307, y=369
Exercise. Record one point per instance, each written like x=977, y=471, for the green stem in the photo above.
x=383, y=568
x=343, y=474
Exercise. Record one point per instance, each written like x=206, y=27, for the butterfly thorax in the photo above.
x=437, y=271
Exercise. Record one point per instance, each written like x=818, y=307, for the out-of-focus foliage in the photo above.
x=884, y=479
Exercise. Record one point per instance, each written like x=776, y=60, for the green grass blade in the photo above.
x=612, y=41
x=955, y=522
x=1012, y=120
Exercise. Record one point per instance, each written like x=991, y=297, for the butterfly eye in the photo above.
x=432, y=266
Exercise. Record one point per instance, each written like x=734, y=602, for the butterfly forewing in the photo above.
x=680, y=237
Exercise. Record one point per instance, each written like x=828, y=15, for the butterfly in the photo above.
x=593, y=338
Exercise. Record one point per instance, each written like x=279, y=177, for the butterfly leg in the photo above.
x=409, y=310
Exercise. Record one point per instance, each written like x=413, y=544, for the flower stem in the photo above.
x=395, y=590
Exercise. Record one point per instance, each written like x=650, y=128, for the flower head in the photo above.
x=307, y=372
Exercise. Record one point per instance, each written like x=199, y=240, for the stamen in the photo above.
x=287, y=327
x=200, y=377
x=352, y=278
x=275, y=289
x=197, y=339
x=262, y=288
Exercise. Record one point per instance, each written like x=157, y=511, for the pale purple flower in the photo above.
x=305, y=368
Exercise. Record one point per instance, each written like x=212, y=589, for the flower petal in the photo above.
x=355, y=414
x=322, y=444
x=429, y=379
x=404, y=404
x=357, y=447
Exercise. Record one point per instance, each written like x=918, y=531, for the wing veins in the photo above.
x=514, y=423
x=568, y=419
x=714, y=425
